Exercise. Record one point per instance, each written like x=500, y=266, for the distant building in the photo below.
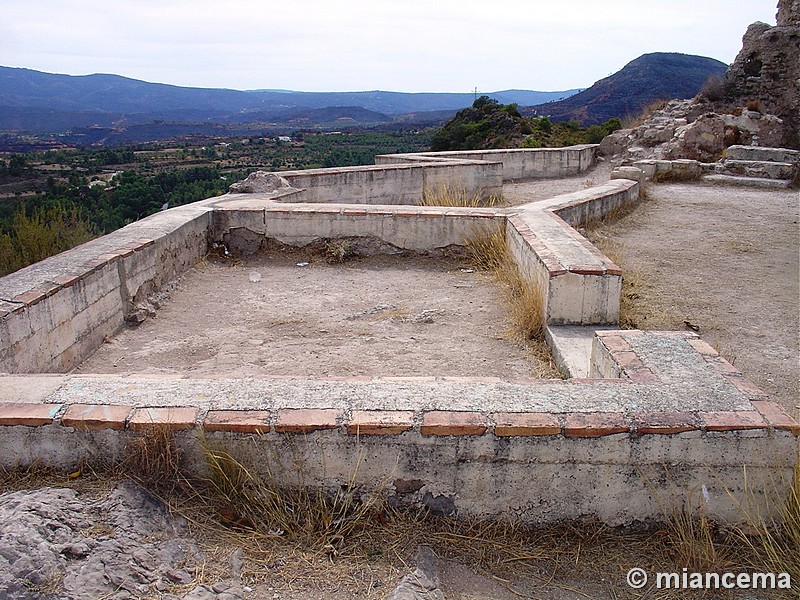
x=284, y=138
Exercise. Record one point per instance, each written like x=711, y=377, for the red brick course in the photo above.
x=732, y=420
x=29, y=415
x=616, y=343
x=664, y=423
x=30, y=297
x=747, y=387
x=377, y=422
x=67, y=279
x=443, y=422
x=703, y=347
x=306, y=420
x=89, y=417
x=594, y=424
x=237, y=421
x=642, y=376
x=776, y=416
x=526, y=424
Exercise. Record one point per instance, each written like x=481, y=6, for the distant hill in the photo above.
x=44, y=102
x=656, y=76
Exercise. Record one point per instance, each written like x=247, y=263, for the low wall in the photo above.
x=395, y=183
x=518, y=163
x=671, y=426
x=245, y=226
x=535, y=468
x=580, y=285
x=663, y=417
x=55, y=313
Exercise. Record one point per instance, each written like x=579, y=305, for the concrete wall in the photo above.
x=419, y=229
x=580, y=286
x=532, y=467
x=668, y=421
x=519, y=163
x=395, y=183
x=55, y=313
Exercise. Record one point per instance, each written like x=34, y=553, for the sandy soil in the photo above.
x=377, y=316
x=727, y=261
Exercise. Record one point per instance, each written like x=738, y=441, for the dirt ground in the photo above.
x=724, y=261
x=372, y=316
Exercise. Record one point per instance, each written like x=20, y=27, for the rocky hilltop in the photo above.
x=754, y=104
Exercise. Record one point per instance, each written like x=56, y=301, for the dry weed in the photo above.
x=448, y=195
x=523, y=296
x=153, y=458
x=774, y=543
x=367, y=547
x=630, y=121
x=313, y=517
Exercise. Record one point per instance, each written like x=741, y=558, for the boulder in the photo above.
x=260, y=182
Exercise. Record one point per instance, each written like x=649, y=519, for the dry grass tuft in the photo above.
x=692, y=540
x=630, y=121
x=312, y=517
x=775, y=542
x=447, y=195
x=153, y=458
x=632, y=312
x=522, y=295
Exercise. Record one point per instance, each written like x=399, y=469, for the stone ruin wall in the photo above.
x=767, y=69
x=756, y=104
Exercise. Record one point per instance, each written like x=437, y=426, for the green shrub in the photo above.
x=46, y=232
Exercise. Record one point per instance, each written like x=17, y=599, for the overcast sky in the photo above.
x=354, y=45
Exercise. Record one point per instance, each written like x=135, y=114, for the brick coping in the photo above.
x=765, y=415
x=601, y=265
x=630, y=366
x=631, y=362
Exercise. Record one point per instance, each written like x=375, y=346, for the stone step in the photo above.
x=571, y=346
x=756, y=168
x=758, y=153
x=759, y=182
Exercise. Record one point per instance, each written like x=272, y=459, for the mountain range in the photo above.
x=651, y=77
x=115, y=110
x=33, y=100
